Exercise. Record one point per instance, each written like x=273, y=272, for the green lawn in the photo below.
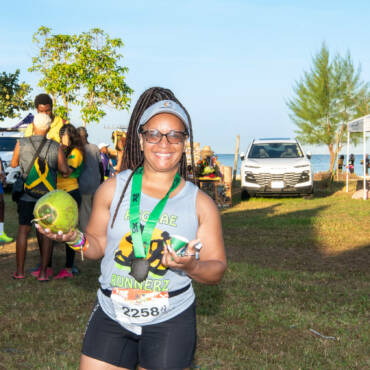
x=294, y=264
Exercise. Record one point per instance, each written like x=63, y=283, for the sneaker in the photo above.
x=5, y=238
x=35, y=273
x=75, y=270
x=64, y=273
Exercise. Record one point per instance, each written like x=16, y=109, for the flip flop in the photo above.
x=15, y=276
x=43, y=279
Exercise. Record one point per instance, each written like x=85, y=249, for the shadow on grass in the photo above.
x=327, y=188
x=322, y=188
x=286, y=241
x=208, y=299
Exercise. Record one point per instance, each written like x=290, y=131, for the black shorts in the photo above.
x=168, y=345
x=25, y=212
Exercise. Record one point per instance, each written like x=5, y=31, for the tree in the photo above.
x=13, y=95
x=327, y=98
x=57, y=65
x=82, y=70
x=100, y=76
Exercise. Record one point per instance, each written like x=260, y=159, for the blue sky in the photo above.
x=232, y=63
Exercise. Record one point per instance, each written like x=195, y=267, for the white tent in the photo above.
x=361, y=124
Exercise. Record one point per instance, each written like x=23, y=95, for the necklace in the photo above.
x=141, y=238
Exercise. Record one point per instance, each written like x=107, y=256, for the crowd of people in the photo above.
x=351, y=163
x=153, y=229
x=53, y=154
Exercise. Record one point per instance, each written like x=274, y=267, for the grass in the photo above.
x=295, y=264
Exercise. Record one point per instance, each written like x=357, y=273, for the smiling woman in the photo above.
x=155, y=232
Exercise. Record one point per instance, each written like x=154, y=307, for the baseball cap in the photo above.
x=102, y=145
x=164, y=106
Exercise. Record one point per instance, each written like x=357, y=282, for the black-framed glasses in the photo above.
x=155, y=136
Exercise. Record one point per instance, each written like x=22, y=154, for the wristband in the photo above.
x=78, y=241
x=80, y=244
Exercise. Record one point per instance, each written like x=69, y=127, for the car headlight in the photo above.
x=249, y=177
x=305, y=176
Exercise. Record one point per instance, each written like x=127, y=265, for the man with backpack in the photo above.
x=44, y=104
x=39, y=159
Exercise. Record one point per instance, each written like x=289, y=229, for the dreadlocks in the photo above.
x=133, y=157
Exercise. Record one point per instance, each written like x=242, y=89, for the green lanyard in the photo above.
x=141, y=241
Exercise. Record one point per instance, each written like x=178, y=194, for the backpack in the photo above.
x=39, y=180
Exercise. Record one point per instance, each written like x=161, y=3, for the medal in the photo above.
x=139, y=269
x=141, y=241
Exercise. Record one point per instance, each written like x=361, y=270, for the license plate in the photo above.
x=277, y=184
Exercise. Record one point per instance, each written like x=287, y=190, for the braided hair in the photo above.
x=133, y=157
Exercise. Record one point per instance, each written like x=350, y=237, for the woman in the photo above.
x=351, y=163
x=145, y=312
x=72, y=145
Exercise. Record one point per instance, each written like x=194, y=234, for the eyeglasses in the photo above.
x=155, y=136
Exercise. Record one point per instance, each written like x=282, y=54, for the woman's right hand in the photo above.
x=60, y=236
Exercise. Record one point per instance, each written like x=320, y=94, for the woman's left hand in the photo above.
x=59, y=237
x=186, y=263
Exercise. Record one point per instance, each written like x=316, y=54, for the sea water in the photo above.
x=320, y=162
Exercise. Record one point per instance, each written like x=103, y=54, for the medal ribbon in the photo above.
x=141, y=241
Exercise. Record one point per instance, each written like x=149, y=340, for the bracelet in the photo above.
x=78, y=241
x=77, y=238
x=80, y=244
x=83, y=249
x=85, y=246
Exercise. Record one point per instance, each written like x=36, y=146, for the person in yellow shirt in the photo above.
x=72, y=144
x=44, y=104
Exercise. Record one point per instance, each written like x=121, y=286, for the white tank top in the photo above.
x=178, y=218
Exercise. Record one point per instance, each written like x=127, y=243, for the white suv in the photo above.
x=275, y=166
x=8, y=139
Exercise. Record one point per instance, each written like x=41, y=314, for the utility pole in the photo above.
x=236, y=156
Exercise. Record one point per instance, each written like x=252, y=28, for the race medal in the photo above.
x=139, y=269
x=141, y=239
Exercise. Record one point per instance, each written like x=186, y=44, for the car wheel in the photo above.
x=245, y=195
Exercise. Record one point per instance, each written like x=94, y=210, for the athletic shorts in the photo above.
x=167, y=346
x=25, y=212
x=1, y=188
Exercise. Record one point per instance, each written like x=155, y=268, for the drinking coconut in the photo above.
x=57, y=211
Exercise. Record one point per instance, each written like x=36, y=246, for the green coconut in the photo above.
x=56, y=211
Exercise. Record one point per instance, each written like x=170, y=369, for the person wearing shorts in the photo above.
x=154, y=232
x=105, y=338
x=22, y=156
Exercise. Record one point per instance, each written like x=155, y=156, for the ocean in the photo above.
x=320, y=162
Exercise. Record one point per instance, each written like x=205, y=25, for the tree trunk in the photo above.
x=332, y=158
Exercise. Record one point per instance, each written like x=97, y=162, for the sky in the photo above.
x=232, y=63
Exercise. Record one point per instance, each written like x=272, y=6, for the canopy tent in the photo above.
x=361, y=124
x=25, y=122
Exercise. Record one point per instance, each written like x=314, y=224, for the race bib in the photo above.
x=135, y=306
